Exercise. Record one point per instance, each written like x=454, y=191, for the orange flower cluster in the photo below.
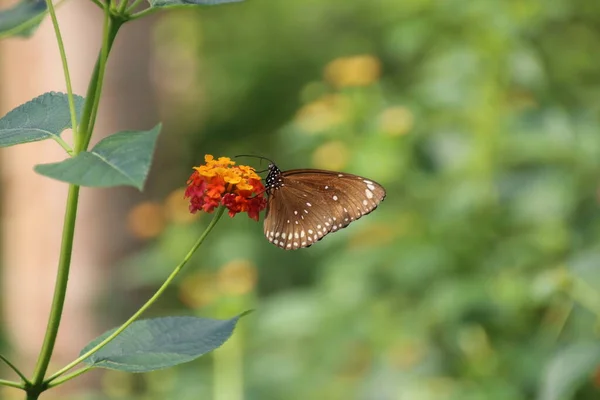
x=221, y=182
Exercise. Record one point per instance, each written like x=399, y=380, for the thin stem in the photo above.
x=88, y=115
x=63, y=57
x=60, y=288
x=63, y=144
x=151, y=301
x=106, y=44
x=68, y=377
x=123, y=6
x=18, y=385
x=228, y=378
x=143, y=13
x=134, y=5
x=12, y=366
x=98, y=3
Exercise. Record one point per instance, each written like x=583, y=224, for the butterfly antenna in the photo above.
x=253, y=156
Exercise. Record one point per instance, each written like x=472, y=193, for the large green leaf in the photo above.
x=152, y=344
x=569, y=369
x=121, y=159
x=44, y=117
x=23, y=18
x=178, y=3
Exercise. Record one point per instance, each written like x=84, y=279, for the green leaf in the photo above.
x=44, y=117
x=121, y=159
x=568, y=370
x=152, y=344
x=23, y=18
x=176, y=3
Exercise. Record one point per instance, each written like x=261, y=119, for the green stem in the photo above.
x=12, y=366
x=98, y=3
x=60, y=288
x=107, y=41
x=32, y=395
x=68, y=377
x=18, y=385
x=143, y=13
x=123, y=6
x=63, y=144
x=151, y=301
x=92, y=97
x=63, y=57
x=134, y=5
x=228, y=377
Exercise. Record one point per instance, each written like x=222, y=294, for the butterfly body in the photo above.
x=304, y=205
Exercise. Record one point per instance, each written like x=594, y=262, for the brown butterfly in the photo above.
x=304, y=205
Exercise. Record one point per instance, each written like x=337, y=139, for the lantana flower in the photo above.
x=221, y=182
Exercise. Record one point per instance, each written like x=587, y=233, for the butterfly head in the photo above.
x=274, y=180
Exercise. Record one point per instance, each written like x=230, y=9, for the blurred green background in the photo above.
x=477, y=278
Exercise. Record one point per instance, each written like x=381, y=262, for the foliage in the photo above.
x=477, y=278
x=480, y=268
x=123, y=158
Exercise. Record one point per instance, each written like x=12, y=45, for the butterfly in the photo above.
x=304, y=205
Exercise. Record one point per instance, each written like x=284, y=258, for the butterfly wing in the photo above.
x=310, y=203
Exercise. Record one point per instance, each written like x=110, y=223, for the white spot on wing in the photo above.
x=371, y=186
x=369, y=193
x=334, y=197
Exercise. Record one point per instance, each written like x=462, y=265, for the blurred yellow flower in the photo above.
x=396, y=121
x=198, y=290
x=237, y=277
x=331, y=155
x=373, y=234
x=177, y=208
x=146, y=220
x=357, y=361
x=406, y=354
x=360, y=70
x=322, y=114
